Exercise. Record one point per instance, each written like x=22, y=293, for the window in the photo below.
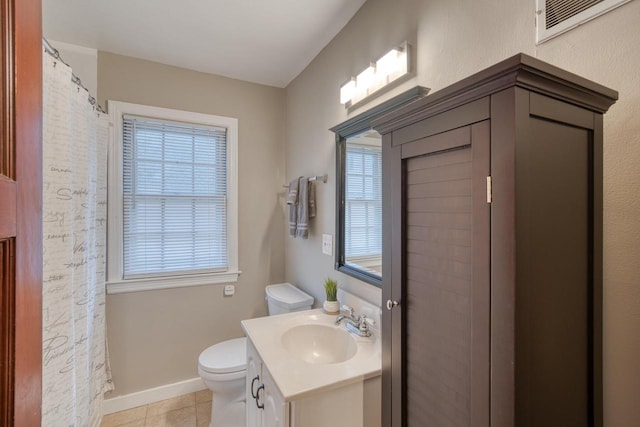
x=172, y=199
x=363, y=203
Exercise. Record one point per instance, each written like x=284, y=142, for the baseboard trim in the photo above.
x=144, y=397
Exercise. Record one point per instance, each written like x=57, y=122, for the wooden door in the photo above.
x=20, y=212
x=440, y=276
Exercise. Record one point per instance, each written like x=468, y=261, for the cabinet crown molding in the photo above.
x=519, y=70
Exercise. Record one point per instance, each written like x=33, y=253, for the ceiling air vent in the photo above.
x=554, y=17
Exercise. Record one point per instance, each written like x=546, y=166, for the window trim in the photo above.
x=115, y=281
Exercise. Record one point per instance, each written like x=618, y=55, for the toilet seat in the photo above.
x=225, y=357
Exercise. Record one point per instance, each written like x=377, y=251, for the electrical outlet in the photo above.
x=229, y=290
x=327, y=244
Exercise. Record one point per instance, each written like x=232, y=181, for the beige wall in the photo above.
x=452, y=40
x=155, y=337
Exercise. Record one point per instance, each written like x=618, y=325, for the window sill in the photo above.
x=365, y=261
x=155, y=283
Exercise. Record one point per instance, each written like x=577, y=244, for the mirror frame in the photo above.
x=352, y=127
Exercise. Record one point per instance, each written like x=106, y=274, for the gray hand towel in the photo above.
x=312, y=199
x=292, y=194
x=302, y=227
x=292, y=201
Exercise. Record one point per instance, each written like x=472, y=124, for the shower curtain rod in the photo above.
x=75, y=79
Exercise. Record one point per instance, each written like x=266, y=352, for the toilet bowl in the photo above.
x=223, y=366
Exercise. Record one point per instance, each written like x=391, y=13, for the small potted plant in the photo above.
x=331, y=305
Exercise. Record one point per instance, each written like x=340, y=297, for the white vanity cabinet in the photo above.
x=265, y=406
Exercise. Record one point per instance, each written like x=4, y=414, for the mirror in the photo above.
x=359, y=191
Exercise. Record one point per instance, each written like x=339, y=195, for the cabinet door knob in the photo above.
x=391, y=304
x=258, y=404
x=253, y=381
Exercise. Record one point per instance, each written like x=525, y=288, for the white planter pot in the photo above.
x=331, y=307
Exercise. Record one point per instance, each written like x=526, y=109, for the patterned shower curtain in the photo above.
x=75, y=367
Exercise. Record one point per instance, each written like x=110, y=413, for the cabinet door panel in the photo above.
x=445, y=290
x=274, y=413
x=253, y=381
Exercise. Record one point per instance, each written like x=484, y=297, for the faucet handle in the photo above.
x=366, y=320
x=363, y=325
x=349, y=309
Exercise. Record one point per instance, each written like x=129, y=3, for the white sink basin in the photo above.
x=319, y=344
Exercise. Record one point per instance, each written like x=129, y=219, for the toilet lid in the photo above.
x=225, y=357
x=287, y=295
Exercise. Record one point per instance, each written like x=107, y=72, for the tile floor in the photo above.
x=189, y=410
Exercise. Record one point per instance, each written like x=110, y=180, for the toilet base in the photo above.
x=228, y=413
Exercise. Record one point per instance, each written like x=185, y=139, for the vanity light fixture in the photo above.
x=348, y=91
x=389, y=68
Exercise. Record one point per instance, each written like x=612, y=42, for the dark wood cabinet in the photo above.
x=493, y=251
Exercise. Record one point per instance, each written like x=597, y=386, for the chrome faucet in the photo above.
x=358, y=325
x=350, y=318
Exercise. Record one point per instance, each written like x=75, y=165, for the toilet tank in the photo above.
x=286, y=298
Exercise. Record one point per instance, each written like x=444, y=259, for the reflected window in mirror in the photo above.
x=363, y=202
x=359, y=191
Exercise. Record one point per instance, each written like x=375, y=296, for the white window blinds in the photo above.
x=174, y=198
x=363, y=201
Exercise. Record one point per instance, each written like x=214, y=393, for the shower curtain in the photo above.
x=75, y=371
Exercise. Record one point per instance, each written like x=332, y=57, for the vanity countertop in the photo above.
x=296, y=378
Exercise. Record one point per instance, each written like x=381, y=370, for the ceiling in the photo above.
x=263, y=41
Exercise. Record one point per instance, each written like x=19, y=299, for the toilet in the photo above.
x=223, y=366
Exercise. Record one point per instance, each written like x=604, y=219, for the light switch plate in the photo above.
x=327, y=244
